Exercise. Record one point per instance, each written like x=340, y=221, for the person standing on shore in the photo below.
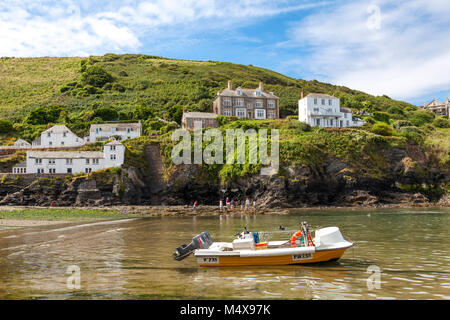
x=247, y=204
x=227, y=202
x=195, y=205
x=254, y=205
x=221, y=205
x=232, y=204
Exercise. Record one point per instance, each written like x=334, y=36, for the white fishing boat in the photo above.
x=251, y=249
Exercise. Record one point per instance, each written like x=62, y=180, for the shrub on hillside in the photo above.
x=96, y=76
x=6, y=126
x=381, y=117
x=441, y=123
x=382, y=128
x=395, y=110
x=421, y=117
x=107, y=114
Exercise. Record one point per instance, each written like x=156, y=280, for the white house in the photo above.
x=323, y=110
x=20, y=143
x=58, y=136
x=123, y=131
x=73, y=162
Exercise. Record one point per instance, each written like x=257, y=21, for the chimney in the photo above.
x=424, y=104
x=48, y=126
x=301, y=95
x=230, y=85
x=261, y=86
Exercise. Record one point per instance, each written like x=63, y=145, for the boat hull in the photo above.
x=287, y=259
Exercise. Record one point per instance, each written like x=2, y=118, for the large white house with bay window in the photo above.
x=323, y=110
x=72, y=162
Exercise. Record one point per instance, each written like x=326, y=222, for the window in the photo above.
x=112, y=148
x=227, y=102
x=323, y=102
x=50, y=143
x=69, y=170
x=249, y=105
x=316, y=109
x=227, y=113
x=258, y=93
x=94, y=161
x=239, y=91
x=240, y=103
x=315, y=101
x=65, y=134
x=52, y=170
x=258, y=103
x=331, y=122
x=96, y=130
x=48, y=134
x=345, y=115
x=62, y=143
x=271, y=104
x=348, y=123
x=113, y=157
x=241, y=113
x=87, y=161
x=271, y=115
x=51, y=161
x=317, y=122
x=330, y=102
x=68, y=161
x=38, y=161
x=88, y=170
x=128, y=130
x=260, y=114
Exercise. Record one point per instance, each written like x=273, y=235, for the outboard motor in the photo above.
x=200, y=241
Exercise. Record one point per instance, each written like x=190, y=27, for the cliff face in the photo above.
x=409, y=178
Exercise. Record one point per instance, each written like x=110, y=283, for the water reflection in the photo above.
x=132, y=258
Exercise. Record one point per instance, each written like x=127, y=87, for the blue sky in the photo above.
x=399, y=48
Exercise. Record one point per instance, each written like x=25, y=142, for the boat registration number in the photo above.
x=303, y=256
x=208, y=260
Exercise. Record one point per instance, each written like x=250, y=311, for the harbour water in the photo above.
x=407, y=250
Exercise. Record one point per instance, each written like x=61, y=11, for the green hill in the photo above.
x=163, y=85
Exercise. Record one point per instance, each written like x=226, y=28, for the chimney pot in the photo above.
x=230, y=85
x=261, y=86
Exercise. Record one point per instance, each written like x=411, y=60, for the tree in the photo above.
x=44, y=115
x=5, y=126
x=106, y=113
x=441, y=123
x=96, y=76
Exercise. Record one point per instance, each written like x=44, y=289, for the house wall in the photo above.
x=324, y=115
x=248, y=104
x=78, y=165
x=69, y=139
x=105, y=135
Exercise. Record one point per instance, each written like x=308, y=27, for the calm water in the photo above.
x=132, y=259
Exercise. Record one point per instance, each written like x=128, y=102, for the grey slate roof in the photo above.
x=65, y=154
x=136, y=126
x=321, y=95
x=203, y=115
x=246, y=93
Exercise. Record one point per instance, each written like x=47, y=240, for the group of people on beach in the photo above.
x=230, y=205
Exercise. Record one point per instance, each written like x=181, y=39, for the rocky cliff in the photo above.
x=410, y=178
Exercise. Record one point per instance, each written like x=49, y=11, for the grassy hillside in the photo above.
x=163, y=85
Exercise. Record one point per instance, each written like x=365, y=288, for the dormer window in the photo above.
x=239, y=91
x=258, y=92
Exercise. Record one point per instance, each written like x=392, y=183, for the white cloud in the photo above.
x=407, y=56
x=70, y=27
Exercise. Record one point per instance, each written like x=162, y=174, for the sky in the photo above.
x=399, y=48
